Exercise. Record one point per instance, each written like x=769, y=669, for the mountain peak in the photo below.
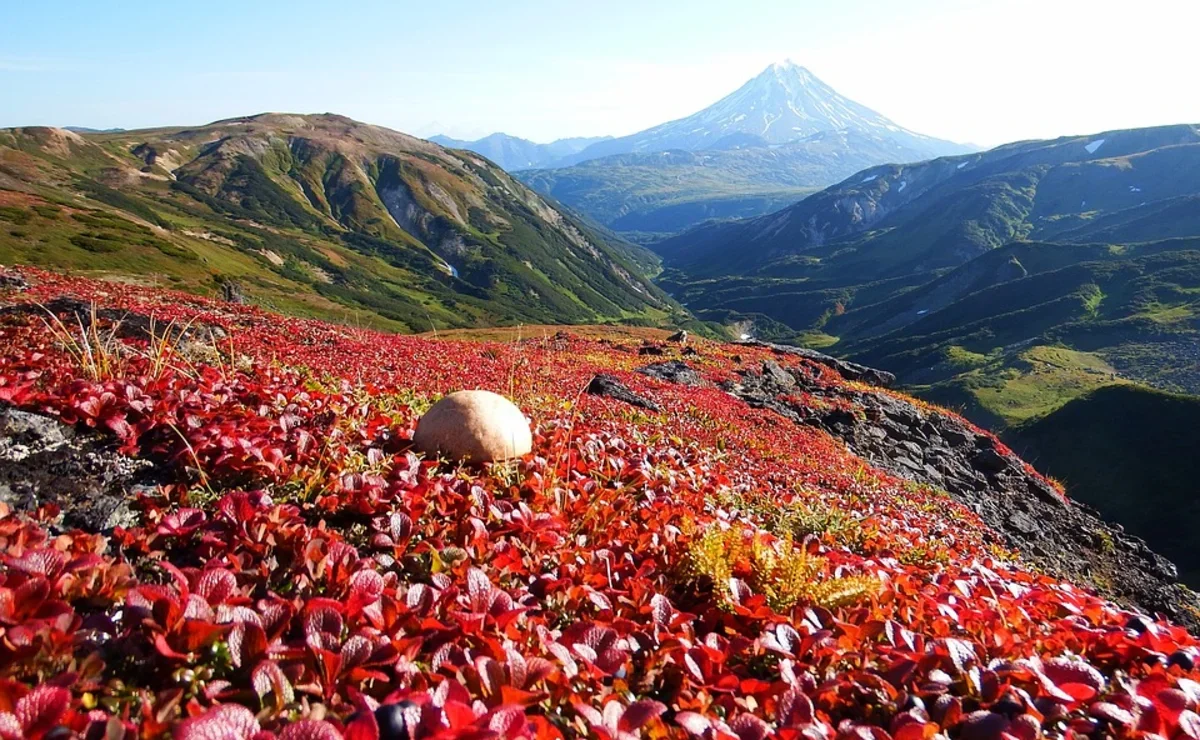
x=784, y=103
x=786, y=66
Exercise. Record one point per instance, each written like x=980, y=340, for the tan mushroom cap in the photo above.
x=474, y=426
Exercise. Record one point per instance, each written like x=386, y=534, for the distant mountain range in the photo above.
x=514, y=153
x=963, y=274
x=896, y=220
x=780, y=136
x=667, y=192
x=317, y=215
x=86, y=130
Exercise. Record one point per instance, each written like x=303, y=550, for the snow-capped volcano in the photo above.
x=784, y=103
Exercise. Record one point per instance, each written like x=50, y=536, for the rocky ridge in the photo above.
x=1061, y=536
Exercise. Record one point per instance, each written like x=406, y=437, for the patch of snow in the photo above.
x=1092, y=147
x=962, y=164
x=903, y=184
x=1134, y=189
x=869, y=179
x=1083, y=204
x=743, y=337
x=273, y=257
x=923, y=311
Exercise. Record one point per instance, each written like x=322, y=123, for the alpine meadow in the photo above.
x=476, y=371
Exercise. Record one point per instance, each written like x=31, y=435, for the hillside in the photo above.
x=514, y=153
x=779, y=137
x=1130, y=453
x=897, y=220
x=315, y=215
x=214, y=525
x=1025, y=287
x=979, y=280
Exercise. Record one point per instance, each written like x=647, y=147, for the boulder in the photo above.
x=674, y=371
x=609, y=386
x=474, y=426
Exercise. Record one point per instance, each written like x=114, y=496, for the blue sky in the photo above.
x=986, y=72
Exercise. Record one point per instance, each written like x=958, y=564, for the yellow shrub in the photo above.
x=784, y=574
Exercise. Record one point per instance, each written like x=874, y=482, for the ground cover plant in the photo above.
x=705, y=570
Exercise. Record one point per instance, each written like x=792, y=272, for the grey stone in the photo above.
x=608, y=386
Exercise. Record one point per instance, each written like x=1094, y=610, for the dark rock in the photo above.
x=651, y=349
x=232, y=292
x=1183, y=659
x=848, y=370
x=1137, y=624
x=689, y=352
x=13, y=281
x=1023, y=523
x=680, y=336
x=390, y=718
x=956, y=436
x=673, y=372
x=43, y=461
x=990, y=461
x=610, y=387
x=74, y=313
x=778, y=376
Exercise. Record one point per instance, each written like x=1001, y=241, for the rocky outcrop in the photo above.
x=1063, y=537
x=848, y=370
x=43, y=461
x=674, y=371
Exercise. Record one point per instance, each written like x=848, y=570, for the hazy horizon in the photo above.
x=986, y=74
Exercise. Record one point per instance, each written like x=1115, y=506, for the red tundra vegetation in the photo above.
x=706, y=570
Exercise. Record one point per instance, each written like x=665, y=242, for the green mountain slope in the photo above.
x=1006, y=284
x=318, y=215
x=1130, y=453
x=897, y=220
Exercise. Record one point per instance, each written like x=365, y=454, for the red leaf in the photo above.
x=1189, y=724
x=479, y=588
x=695, y=724
x=216, y=585
x=639, y=713
x=749, y=727
x=661, y=609
x=41, y=709
x=247, y=643
x=362, y=726
x=310, y=729
x=520, y=697
x=10, y=727
x=269, y=678
x=222, y=722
